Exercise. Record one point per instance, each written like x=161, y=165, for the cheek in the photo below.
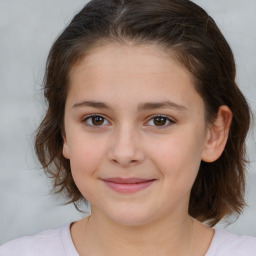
x=85, y=158
x=178, y=158
x=85, y=152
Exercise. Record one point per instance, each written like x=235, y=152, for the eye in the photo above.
x=95, y=120
x=160, y=121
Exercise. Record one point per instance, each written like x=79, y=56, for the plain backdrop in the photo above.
x=27, y=30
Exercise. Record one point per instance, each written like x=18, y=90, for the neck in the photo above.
x=168, y=236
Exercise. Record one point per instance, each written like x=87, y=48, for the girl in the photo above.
x=145, y=122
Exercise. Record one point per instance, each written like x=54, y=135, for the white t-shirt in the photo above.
x=58, y=242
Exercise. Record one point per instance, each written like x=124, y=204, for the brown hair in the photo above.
x=191, y=34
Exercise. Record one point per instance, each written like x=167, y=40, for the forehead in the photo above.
x=143, y=73
x=149, y=57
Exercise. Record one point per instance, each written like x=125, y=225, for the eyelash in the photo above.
x=168, y=119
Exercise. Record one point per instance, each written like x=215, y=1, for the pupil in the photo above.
x=97, y=120
x=160, y=121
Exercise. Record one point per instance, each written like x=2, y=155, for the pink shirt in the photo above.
x=58, y=242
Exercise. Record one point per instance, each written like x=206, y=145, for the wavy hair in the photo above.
x=188, y=32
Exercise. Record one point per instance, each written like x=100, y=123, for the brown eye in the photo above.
x=95, y=120
x=160, y=121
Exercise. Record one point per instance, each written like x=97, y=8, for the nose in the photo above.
x=125, y=147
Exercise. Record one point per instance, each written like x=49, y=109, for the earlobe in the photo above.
x=65, y=149
x=217, y=135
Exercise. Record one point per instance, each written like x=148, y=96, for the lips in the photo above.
x=130, y=185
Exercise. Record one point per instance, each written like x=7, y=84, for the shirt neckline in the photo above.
x=67, y=241
x=70, y=249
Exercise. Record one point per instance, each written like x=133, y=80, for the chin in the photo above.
x=131, y=217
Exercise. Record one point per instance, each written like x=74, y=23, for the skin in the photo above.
x=128, y=143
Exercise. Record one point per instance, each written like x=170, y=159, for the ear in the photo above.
x=217, y=135
x=65, y=149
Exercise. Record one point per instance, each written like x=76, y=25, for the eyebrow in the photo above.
x=141, y=107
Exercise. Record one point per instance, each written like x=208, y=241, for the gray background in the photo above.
x=27, y=30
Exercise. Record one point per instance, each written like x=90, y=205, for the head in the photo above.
x=188, y=36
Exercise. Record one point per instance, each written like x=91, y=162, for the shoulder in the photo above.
x=49, y=242
x=226, y=243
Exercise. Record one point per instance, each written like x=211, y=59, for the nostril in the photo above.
x=125, y=163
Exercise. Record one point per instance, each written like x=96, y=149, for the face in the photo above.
x=135, y=133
